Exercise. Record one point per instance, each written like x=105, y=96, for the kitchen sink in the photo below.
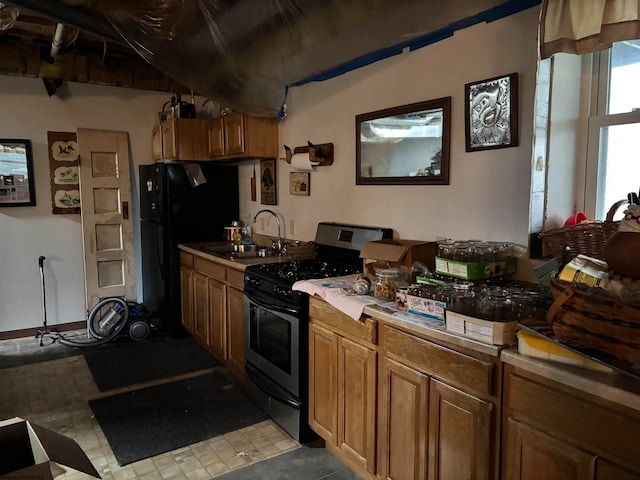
x=239, y=251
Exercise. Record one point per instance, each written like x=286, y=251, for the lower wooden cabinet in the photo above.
x=403, y=421
x=217, y=317
x=186, y=291
x=429, y=429
x=342, y=392
x=201, y=329
x=235, y=329
x=212, y=297
x=462, y=434
x=555, y=432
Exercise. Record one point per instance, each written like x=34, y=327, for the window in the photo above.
x=613, y=153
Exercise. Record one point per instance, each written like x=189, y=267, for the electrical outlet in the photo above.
x=262, y=224
x=292, y=227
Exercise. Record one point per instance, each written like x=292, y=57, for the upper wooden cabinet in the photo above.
x=240, y=135
x=180, y=139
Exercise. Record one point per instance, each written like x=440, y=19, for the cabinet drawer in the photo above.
x=186, y=259
x=363, y=329
x=441, y=362
x=212, y=269
x=572, y=416
x=235, y=278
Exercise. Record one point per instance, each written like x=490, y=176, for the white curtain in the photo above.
x=583, y=26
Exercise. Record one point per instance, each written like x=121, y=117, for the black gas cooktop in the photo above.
x=287, y=273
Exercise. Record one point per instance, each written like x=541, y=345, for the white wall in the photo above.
x=28, y=232
x=488, y=195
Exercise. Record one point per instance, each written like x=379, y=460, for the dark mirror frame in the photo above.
x=5, y=188
x=441, y=179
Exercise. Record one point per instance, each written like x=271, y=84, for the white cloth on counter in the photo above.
x=338, y=293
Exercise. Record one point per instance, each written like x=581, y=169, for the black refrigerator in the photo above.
x=180, y=202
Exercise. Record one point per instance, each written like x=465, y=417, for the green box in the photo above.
x=475, y=270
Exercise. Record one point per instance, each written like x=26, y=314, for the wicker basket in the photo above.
x=587, y=238
x=596, y=320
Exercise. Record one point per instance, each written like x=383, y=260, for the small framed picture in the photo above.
x=268, y=194
x=299, y=183
x=491, y=113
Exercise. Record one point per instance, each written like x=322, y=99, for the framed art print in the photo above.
x=268, y=194
x=491, y=113
x=64, y=172
x=299, y=183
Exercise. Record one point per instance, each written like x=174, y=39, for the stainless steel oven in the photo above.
x=277, y=323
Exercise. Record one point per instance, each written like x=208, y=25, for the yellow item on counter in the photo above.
x=534, y=346
x=582, y=269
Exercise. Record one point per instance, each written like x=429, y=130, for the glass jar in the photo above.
x=463, y=299
x=445, y=249
x=401, y=299
x=495, y=306
x=522, y=306
x=386, y=285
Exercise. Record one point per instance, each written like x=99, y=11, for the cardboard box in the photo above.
x=494, y=333
x=426, y=307
x=397, y=254
x=33, y=452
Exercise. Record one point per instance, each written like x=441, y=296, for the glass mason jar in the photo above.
x=463, y=299
x=495, y=306
x=386, y=285
x=523, y=306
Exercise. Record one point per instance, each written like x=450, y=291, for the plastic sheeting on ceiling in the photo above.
x=246, y=53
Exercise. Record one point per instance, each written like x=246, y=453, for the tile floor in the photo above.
x=54, y=393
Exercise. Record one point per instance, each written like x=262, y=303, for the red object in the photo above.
x=575, y=219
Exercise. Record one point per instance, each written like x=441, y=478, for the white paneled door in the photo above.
x=105, y=197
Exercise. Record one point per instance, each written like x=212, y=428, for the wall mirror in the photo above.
x=16, y=173
x=405, y=145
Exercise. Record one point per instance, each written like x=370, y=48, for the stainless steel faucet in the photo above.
x=279, y=246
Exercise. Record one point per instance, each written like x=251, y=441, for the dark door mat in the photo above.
x=126, y=363
x=305, y=462
x=147, y=422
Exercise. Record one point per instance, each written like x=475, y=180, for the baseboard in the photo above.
x=31, y=332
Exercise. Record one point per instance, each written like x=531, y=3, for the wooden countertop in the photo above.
x=197, y=248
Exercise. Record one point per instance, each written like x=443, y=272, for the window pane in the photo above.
x=619, y=171
x=624, y=94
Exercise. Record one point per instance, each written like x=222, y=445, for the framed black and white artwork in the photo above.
x=491, y=113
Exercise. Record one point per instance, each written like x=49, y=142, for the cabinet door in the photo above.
x=402, y=428
x=460, y=435
x=235, y=330
x=201, y=308
x=156, y=143
x=234, y=133
x=217, y=319
x=323, y=383
x=357, y=402
x=169, y=147
x=531, y=454
x=216, y=137
x=186, y=298
x=606, y=470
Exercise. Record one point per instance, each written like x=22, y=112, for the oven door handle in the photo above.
x=265, y=302
x=257, y=381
